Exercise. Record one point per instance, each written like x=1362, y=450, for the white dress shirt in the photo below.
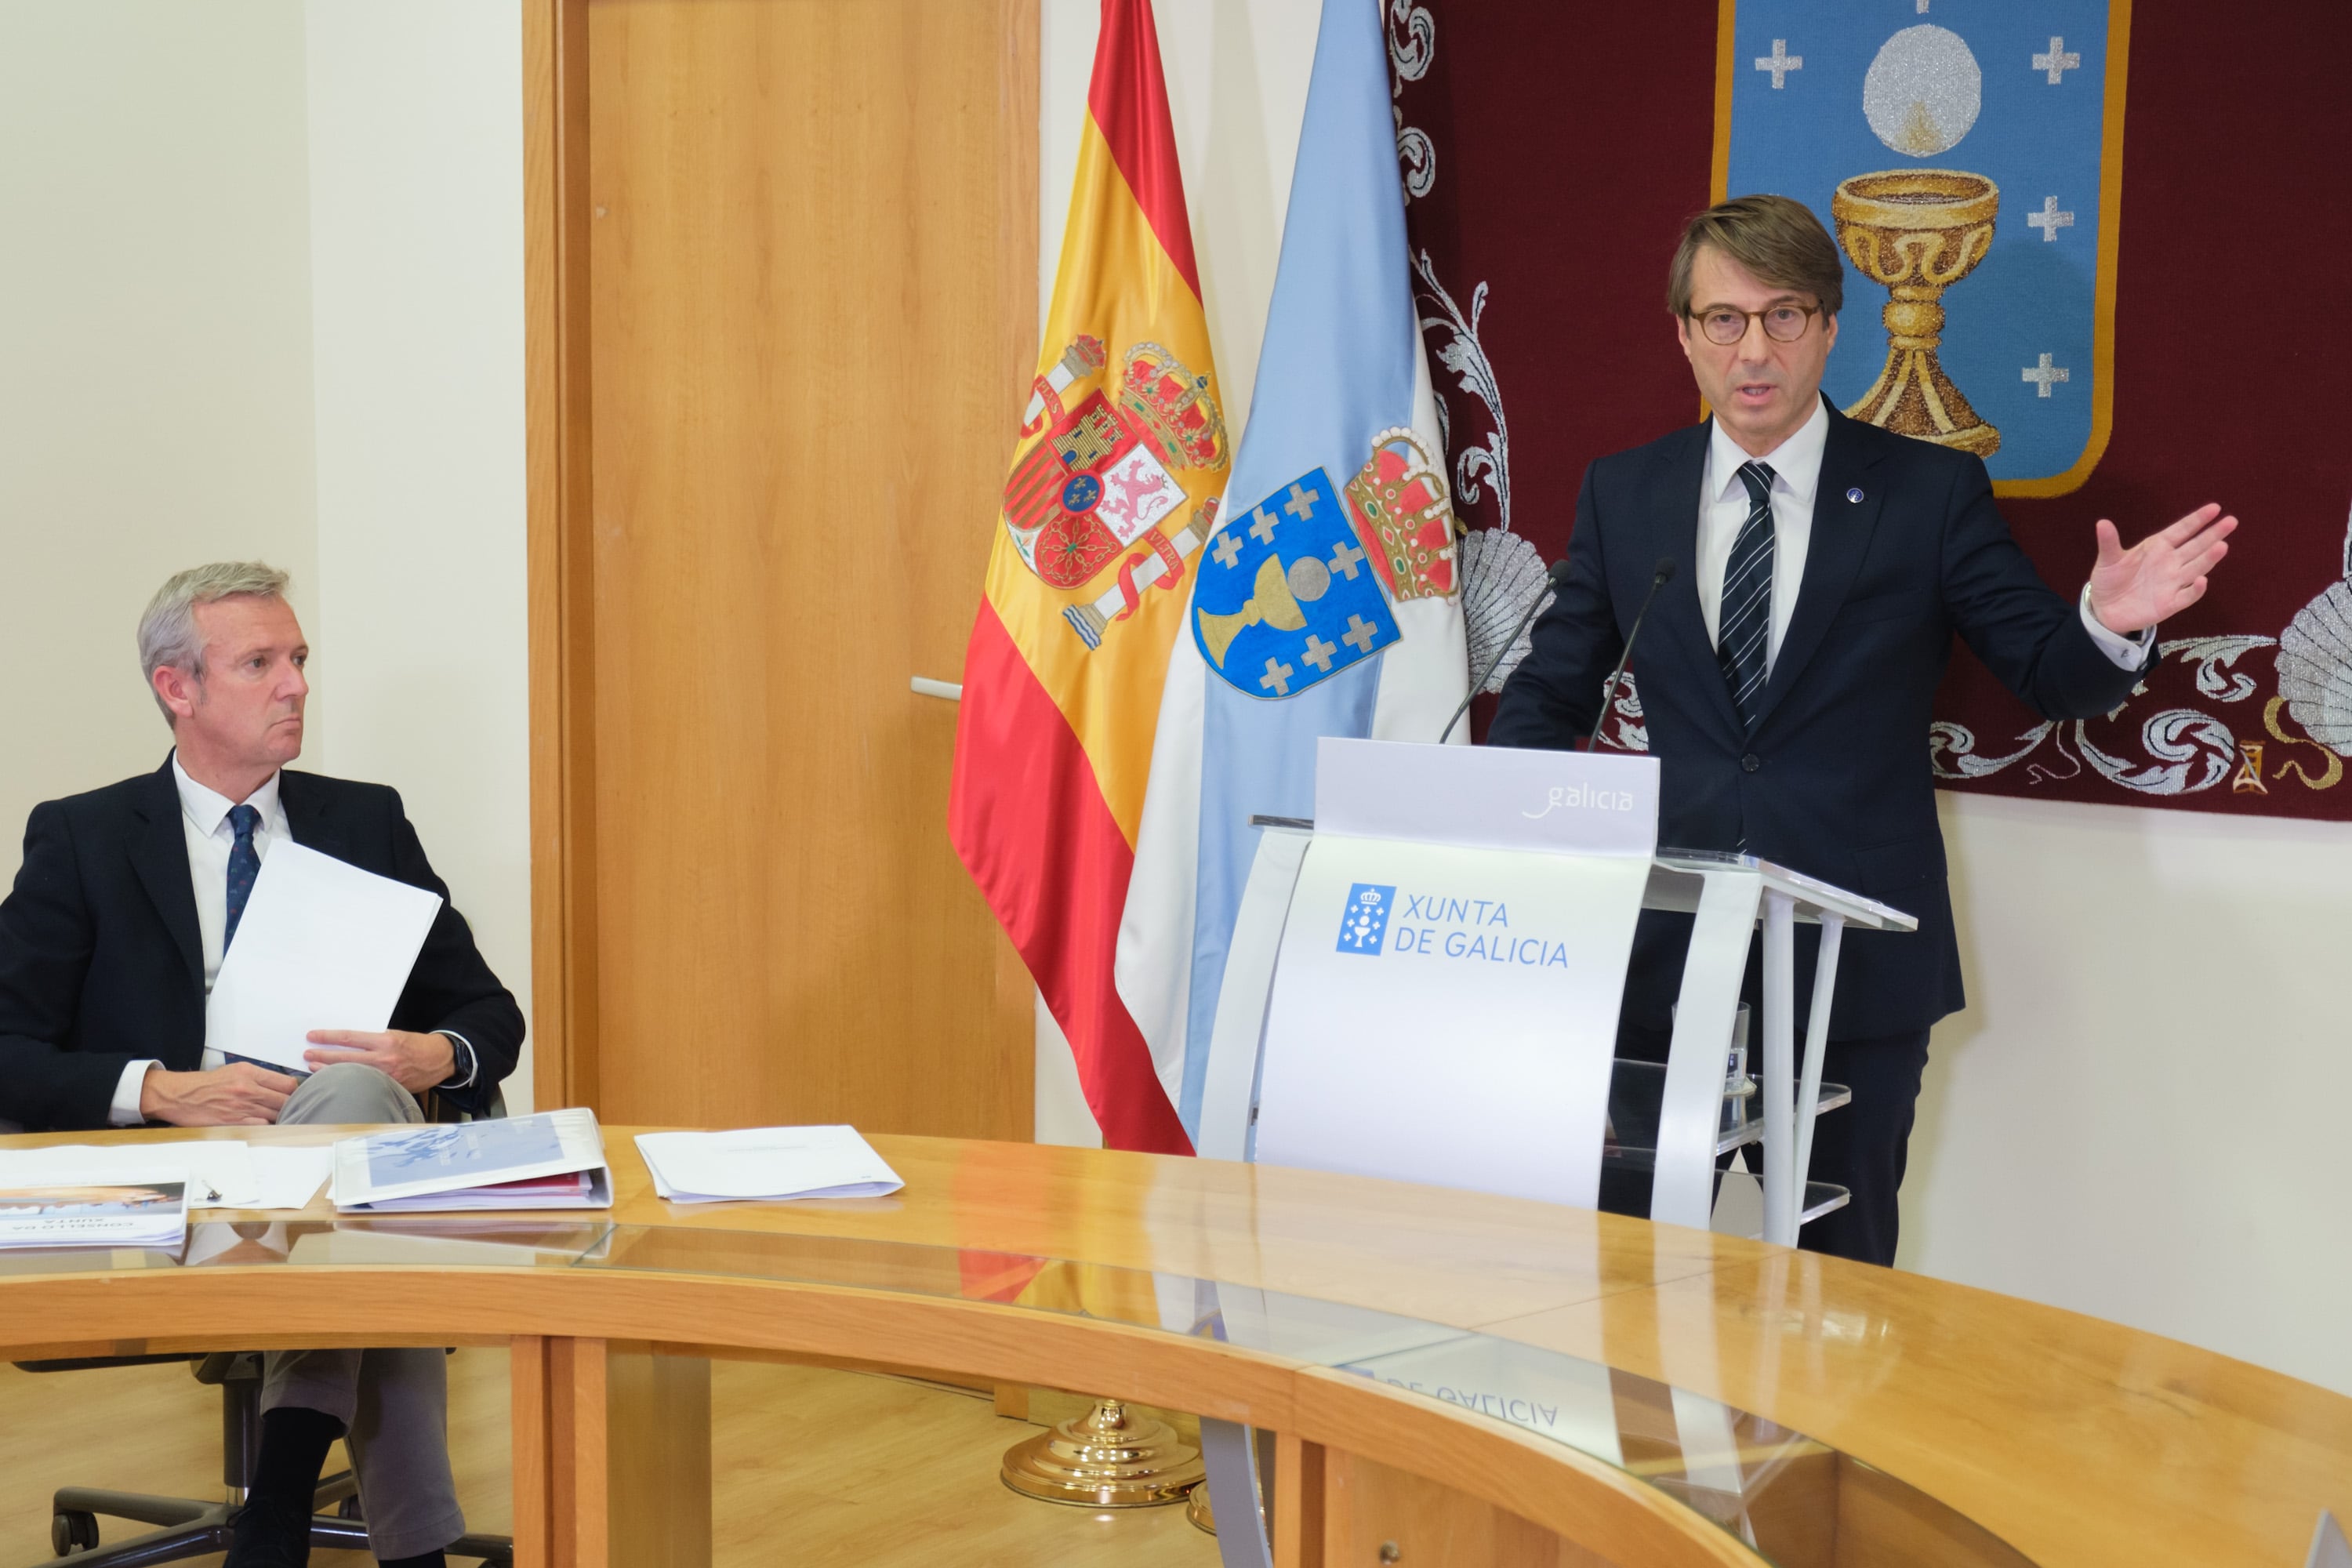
x=1795, y=465
x=203, y=819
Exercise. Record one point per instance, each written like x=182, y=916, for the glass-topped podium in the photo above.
x=1671, y=1124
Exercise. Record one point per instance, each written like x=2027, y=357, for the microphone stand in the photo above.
x=1558, y=578
x=1663, y=575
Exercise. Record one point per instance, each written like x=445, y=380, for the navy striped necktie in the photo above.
x=244, y=866
x=1743, y=643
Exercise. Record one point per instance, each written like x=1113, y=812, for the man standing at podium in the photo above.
x=1788, y=670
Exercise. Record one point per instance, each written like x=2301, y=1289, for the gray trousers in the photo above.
x=394, y=1404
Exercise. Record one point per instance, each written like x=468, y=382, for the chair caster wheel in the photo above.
x=73, y=1531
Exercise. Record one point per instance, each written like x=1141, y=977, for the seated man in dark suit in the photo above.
x=127, y=898
x=1788, y=675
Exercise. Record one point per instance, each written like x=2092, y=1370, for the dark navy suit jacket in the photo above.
x=100, y=957
x=1834, y=779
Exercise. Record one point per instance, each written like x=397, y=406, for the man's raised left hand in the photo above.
x=2163, y=574
x=416, y=1062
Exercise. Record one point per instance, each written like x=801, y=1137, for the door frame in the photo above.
x=557, y=405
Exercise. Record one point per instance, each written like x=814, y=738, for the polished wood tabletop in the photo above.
x=2074, y=1440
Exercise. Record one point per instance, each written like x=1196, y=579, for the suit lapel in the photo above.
x=1841, y=538
x=310, y=814
x=1671, y=507
x=159, y=853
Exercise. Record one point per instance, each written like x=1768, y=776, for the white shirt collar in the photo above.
x=209, y=808
x=1796, y=462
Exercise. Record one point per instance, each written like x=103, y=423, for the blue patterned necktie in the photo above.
x=1743, y=643
x=244, y=864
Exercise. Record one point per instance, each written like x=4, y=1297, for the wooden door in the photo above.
x=785, y=283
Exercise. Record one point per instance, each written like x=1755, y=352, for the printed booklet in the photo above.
x=553, y=1160
x=123, y=1214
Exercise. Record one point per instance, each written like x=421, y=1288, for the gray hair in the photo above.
x=168, y=632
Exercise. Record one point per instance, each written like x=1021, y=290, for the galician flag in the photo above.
x=1327, y=602
x=1115, y=483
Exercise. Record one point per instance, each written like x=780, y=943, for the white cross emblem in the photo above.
x=2057, y=62
x=1780, y=62
x=1360, y=634
x=1301, y=504
x=1277, y=678
x=1345, y=559
x=1318, y=653
x=1225, y=548
x=1262, y=524
x=2049, y=220
x=2043, y=374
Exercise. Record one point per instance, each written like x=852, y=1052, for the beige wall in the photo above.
x=2138, y=1115
x=264, y=298
x=155, y=382
x=2141, y=1114
x=416, y=245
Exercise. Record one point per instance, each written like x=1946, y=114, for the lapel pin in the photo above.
x=1854, y=495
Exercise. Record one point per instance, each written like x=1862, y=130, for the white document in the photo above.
x=477, y=1165
x=765, y=1162
x=290, y=1178
x=322, y=945
x=219, y=1171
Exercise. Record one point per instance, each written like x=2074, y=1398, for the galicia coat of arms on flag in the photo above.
x=1968, y=159
x=1287, y=597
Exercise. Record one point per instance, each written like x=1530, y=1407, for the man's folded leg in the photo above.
x=392, y=1406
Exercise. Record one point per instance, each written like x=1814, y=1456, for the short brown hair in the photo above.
x=1779, y=240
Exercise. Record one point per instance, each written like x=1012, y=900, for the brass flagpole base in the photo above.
x=1198, y=1512
x=1105, y=1459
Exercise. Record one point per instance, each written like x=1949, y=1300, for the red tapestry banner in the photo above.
x=2159, y=332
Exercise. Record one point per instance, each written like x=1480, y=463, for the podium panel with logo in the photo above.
x=1424, y=983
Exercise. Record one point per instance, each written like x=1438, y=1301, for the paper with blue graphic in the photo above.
x=1327, y=603
x=1973, y=143
x=1287, y=597
x=555, y=1159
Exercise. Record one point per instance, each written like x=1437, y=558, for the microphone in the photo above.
x=1558, y=578
x=1663, y=575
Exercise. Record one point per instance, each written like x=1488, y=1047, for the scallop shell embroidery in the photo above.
x=2315, y=663
x=1502, y=574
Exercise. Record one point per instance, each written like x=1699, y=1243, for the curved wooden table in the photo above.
x=1872, y=1415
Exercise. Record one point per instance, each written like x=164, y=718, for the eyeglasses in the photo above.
x=1783, y=323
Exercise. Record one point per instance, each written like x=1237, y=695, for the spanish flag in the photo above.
x=1114, y=486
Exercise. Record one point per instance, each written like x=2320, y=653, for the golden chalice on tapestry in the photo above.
x=1916, y=232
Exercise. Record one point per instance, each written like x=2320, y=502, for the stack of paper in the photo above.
x=769, y=1163
x=322, y=945
x=217, y=1172
x=553, y=1160
x=122, y=1214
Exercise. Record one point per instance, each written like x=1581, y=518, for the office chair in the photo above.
x=190, y=1527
